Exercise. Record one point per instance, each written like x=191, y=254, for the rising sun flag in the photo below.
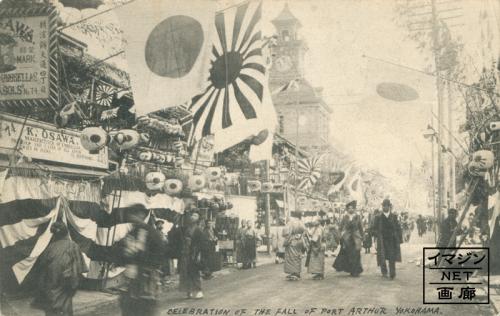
x=234, y=106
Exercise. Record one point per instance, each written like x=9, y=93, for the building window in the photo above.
x=281, y=121
x=285, y=35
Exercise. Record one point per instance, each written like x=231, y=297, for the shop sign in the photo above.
x=46, y=142
x=28, y=61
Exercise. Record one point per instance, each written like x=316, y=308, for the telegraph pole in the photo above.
x=439, y=86
x=418, y=22
x=268, y=210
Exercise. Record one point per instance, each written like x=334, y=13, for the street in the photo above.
x=266, y=288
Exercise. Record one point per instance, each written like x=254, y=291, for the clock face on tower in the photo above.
x=284, y=63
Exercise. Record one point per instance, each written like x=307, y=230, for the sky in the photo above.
x=345, y=39
x=379, y=134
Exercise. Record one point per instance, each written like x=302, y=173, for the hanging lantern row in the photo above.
x=94, y=139
x=169, y=159
x=170, y=127
x=157, y=181
x=263, y=187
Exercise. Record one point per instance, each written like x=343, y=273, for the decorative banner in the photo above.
x=28, y=56
x=168, y=50
x=43, y=141
x=234, y=106
x=203, y=153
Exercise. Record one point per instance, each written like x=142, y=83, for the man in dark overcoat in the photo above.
x=389, y=237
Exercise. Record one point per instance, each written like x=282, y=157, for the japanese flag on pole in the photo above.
x=169, y=44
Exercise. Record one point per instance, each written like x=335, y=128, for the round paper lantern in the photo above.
x=169, y=158
x=93, y=139
x=266, y=187
x=61, y=120
x=145, y=138
x=173, y=186
x=213, y=173
x=125, y=139
x=196, y=182
x=159, y=158
x=253, y=185
x=155, y=180
x=145, y=156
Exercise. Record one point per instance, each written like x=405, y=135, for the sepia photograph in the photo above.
x=249, y=157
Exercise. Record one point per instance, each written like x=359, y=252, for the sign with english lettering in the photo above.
x=28, y=64
x=43, y=141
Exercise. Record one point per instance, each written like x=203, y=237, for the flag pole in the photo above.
x=296, y=155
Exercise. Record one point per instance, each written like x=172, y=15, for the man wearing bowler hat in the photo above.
x=389, y=238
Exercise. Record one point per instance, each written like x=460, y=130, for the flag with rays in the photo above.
x=234, y=106
x=309, y=171
x=339, y=176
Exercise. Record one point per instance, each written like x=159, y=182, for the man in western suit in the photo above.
x=389, y=238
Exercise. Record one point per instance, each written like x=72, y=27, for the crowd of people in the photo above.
x=351, y=232
x=148, y=253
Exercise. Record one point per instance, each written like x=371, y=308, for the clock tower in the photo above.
x=303, y=116
x=288, y=54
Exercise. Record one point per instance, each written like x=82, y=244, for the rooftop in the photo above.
x=285, y=16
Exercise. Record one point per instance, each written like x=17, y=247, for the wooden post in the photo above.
x=268, y=211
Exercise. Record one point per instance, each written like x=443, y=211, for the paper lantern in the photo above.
x=61, y=120
x=155, y=181
x=145, y=138
x=169, y=158
x=125, y=139
x=145, y=156
x=267, y=187
x=93, y=139
x=482, y=160
x=173, y=186
x=196, y=182
x=253, y=185
x=214, y=173
x=159, y=158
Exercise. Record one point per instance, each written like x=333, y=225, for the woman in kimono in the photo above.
x=349, y=257
x=249, y=246
x=295, y=244
x=212, y=252
x=61, y=267
x=239, y=242
x=193, y=258
x=316, y=255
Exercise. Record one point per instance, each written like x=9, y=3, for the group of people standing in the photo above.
x=385, y=227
